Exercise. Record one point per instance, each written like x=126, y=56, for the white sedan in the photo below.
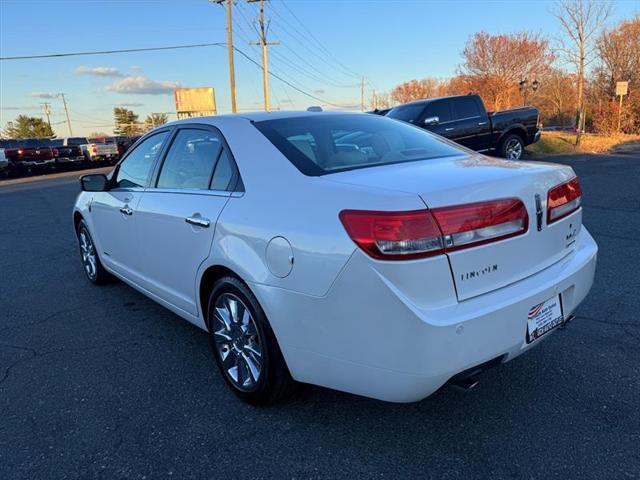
x=345, y=250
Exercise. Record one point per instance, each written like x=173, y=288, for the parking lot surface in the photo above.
x=104, y=383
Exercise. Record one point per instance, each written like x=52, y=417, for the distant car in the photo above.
x=122, y=142
x=345, y=250
x=98, y=150
x=4, y=164
x=464, y=120
x=67, y=152
x=31, y=154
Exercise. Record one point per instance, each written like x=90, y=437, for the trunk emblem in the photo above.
x=539, y=212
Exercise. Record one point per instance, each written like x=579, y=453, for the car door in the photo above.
x=177, y=214
x=470, y=125
x=114, y=211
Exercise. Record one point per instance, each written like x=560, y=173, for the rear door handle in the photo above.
x=450, y=129
x=198, y=221
x=126, y=210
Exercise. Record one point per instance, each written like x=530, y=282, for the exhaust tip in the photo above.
x=466, y=383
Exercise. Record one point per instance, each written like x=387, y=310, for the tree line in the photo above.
x=572, y=81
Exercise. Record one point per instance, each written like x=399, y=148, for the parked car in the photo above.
x=68, y=151
x=345, y=250
x=122, y=142
x=97, y=150
x=30, y=154
x=464, y=120
x=4, y=164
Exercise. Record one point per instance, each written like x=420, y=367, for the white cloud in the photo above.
x=45, y=95
x=136, y=68
x=130, y=104
x=98, y=71
x=142, y=85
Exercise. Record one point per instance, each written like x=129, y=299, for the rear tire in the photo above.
x=91, y=264
x=512, y=147
x=244, y=345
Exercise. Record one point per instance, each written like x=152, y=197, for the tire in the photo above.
x=91, y=264
x=512, y=147
x=245, y=347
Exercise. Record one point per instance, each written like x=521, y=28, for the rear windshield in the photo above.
x=318, y=145
x=36, y=142
x=76, y=141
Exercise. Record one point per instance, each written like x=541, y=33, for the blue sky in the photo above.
x=387, y=41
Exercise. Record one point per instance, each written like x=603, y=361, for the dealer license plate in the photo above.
x=543, y=318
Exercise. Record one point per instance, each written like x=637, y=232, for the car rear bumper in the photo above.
x=369, y=337
x=535, y=137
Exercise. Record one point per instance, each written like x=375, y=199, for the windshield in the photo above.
x=323, y=144
x=406, y=113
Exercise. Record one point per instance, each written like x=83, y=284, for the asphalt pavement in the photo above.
x=101, y=382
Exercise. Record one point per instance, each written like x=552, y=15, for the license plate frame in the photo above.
x=544, y=317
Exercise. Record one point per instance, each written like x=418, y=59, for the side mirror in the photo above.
x=432, y=121
x=94, y=183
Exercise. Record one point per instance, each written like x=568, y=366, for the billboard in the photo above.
x=195, y=102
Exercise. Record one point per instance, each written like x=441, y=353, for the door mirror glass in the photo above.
x=432, y=120
x=94, y=183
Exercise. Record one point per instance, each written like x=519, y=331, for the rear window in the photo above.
x=318, y=145
x=77, y=141
x=465, y=107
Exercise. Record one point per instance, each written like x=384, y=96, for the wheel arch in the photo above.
x=208, y=278
x=514, y=130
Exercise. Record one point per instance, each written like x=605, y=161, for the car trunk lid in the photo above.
x=471, y=179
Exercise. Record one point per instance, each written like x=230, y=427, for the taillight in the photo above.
x=393, y=235
x=94, y=149
x=478, y=223
x=55, y=152
x=423, y=233
x=20, y=151
x=563, y=200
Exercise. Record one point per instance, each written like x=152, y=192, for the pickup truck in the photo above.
x=464, y=120
x=30, y=154
x=68, y=151
x=94, y=150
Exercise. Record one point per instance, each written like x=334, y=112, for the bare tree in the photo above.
x=581, y=21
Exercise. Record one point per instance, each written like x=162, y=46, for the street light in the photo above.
x=524, y=86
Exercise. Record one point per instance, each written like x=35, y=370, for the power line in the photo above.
x=108, y=52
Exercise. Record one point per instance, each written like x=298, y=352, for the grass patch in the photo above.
x=564, y=142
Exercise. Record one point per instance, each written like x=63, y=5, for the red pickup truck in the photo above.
x=30, y=154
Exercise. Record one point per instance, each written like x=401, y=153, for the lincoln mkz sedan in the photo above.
x=346, y=250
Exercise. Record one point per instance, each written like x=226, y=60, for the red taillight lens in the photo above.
x=483, y=222
x=563, y=200
x=423, y=233
x=393, y=235
x=94, y=149
x=20, y=152
x=55, y=152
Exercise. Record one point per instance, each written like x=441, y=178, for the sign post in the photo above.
x=622, y=89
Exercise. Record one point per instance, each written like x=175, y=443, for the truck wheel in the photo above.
x=512, y=147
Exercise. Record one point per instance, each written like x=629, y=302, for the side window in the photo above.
x=442, y=110
x=465, y=107
x=190, y=160
x=135, y=170
x=226, y=175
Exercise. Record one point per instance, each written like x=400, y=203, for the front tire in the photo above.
x=512, y=147
x=244, y=345
x=91, y=264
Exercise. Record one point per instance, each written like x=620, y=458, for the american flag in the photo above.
x=535, y=310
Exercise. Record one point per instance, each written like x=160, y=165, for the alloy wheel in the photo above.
x=513, y=149
x=238, y=342
x=88, y=252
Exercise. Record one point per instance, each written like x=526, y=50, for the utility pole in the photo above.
x=66, y=112
x=362, y=95
x=232, y=73
x=47, y=111
x=265, y=56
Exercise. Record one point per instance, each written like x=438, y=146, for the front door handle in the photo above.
x=198, y=221
x=126, y=210
x=482, y=123
x=450, y=129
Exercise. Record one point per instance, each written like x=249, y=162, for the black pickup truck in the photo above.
x=464, y=120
